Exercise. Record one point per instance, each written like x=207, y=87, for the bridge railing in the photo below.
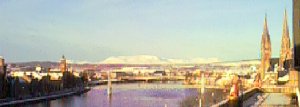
x=247, y=94
x=279, y=89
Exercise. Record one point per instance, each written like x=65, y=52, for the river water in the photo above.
x=168, y=94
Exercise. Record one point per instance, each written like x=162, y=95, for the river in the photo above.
x=158, y=94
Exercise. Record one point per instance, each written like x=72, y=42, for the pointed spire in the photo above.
x=265, y=50
x=266, y=35
x=285, y=51
x=285, y=16
x=266, y=25
x=285, y=33
x=285, y=25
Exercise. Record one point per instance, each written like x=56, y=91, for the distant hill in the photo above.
x=35, y=63
x=149, y=59
x=143, y=60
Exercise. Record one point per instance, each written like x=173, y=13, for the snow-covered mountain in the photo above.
x=148, y=59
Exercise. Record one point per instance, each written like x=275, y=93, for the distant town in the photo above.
x=120, y=71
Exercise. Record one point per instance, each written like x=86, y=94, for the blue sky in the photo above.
x=96, y=29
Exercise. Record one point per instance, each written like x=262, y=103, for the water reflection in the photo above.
x=109, y=99
x=205, y=99
x=139, y=95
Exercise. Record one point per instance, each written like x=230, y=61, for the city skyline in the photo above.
x=96, y=30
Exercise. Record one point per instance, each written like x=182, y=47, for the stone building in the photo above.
x=285, y=51
x=265, y=51
x=63, y=64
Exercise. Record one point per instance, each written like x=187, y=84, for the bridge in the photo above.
x=138, y=78
x=151, y=78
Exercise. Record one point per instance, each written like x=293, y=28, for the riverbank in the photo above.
x=61, y=94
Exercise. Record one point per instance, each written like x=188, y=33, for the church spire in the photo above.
x=285, y=26
x=265, y=50
x=285, y=51
x=266, y=31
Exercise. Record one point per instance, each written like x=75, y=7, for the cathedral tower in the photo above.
x=265, y=51
x=285, y=51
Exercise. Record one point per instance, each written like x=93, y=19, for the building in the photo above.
x=63, y=64
x=2, y=78
x=285, y=51
x=159, y=73
x=69, y=80
x=296, y=32
x=265, y=51
x=294, y=74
